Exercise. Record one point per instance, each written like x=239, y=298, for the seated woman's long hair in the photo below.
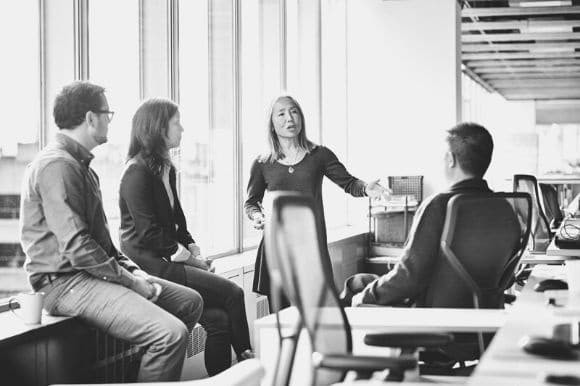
x=149, y=133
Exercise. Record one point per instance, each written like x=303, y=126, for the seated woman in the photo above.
x=154, y=232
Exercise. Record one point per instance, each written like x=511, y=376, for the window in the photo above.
x=260, y=84
x=114, y=64
x=19, y=136
x=334, y=109
x=231, y=63
x=207, y=154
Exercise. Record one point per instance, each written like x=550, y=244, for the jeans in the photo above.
x=224, y=317
x=157, y=327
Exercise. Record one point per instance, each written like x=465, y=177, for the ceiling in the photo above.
x=523, y=49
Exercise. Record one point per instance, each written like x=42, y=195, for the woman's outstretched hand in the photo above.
x=258, y=220
x=376, y=190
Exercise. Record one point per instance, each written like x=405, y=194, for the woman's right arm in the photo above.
x=137, y=192
x=256, y=189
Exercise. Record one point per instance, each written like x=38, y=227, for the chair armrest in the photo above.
x=361, y=363
x=509, y=298
x=408, y=340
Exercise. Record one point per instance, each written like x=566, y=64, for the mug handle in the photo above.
x=13, y=309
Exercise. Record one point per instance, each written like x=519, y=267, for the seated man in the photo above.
x=69, y=252
x=468, y=155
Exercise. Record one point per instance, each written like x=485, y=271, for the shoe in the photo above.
x=248, y=354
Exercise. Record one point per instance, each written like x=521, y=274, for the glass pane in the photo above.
x=20, y=111
x=59, y=26
x=334, y=106
x=303, y=60
x=206, y=162
x=114, y=64
x=260, y=77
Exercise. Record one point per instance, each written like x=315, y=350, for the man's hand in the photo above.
x=258, y=220
x=143, y=274
x=357, y=299
x=144, y=288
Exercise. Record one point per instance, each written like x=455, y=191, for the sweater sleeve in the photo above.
x=411, y=275
x=256, y=189
x=338, y=174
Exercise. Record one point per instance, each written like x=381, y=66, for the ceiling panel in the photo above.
x=523, y=49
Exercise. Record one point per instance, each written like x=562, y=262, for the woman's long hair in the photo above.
x=148, y=133
x=275, y=149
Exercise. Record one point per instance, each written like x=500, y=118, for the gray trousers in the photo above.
x=160, y=328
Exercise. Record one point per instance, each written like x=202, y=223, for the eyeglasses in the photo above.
x=109, y=113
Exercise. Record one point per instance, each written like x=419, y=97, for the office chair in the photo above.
x=483, y=239
x=540, y=226
x=294, y=251
x=552, y=206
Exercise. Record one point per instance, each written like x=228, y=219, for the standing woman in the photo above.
x=294, y=163
x=154, y=232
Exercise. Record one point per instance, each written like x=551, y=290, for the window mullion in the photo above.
x=42, y=129
x=81, y=39
x=238, y=151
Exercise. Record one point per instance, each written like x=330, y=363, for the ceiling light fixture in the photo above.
x=547, y=3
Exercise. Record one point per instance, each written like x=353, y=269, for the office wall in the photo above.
x=403, y=86
x=511, y=123
x=560, y=111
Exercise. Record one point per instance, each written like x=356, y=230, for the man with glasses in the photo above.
x=69, y=252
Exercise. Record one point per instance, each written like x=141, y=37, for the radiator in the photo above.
x=196, y=341
x=262, y=308
x=115, y=360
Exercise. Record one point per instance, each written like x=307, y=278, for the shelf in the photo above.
x=385, y=249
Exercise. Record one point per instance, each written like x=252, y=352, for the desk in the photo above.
x=559, y=180
x=505, y=362
x=565, y=254
x=364, y=320
x=545, y=258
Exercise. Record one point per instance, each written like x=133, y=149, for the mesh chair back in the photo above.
x=483, y=238
x=295, y=250
x=551, y=204
x=540, y=227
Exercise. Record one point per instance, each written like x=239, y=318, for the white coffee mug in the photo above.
x=572, y=269
x=30, y=311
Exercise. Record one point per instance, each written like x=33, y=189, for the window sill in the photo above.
x=246, y=259
x=14, y=330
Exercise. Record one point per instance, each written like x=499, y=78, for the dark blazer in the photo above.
x=150, y=228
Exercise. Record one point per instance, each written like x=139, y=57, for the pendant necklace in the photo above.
x=291, y=167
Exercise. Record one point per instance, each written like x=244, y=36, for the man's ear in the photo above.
x=450, y=159
x=90, y=118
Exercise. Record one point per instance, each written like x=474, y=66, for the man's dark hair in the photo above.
x=472, y=146
x=74, y=101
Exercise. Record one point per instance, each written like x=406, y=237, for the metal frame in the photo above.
x=527, y=29
x=42, y=129
x=81, y=39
